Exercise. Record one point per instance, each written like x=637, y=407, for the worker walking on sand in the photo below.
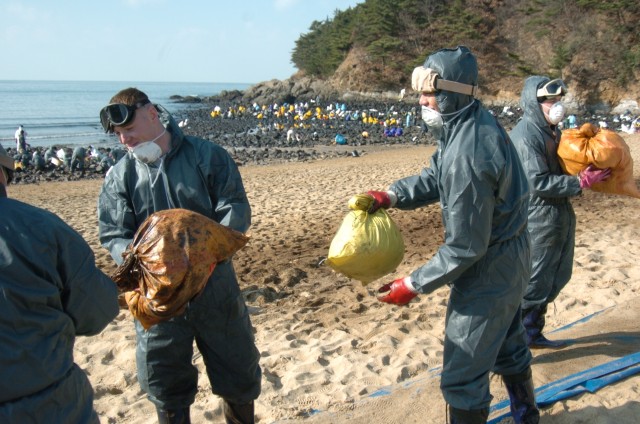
x=551, y=219
x=477, y=177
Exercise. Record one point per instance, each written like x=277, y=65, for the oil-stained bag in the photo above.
x=170, y=260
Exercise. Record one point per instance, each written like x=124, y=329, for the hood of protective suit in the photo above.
x=459, y=65
x=529, y=100
x=172, y=126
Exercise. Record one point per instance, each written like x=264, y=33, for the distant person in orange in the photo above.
x=551, y=221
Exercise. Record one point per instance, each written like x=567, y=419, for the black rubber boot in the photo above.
x=178, y=416
x=238, y=413
x=534, y=320
x=462, y=416
x=521, y=395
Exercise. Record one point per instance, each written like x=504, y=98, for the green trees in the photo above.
x=516, y=37
x=320, y=51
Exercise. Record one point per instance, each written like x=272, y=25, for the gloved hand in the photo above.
x=400, y=291
x=371, y=201
x=592, y=175
x=381, y=199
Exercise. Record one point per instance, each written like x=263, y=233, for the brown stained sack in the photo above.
x=603, y=148
x=169, y=262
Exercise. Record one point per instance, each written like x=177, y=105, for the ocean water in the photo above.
x=66, y=112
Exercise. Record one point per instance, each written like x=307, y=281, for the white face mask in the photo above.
x=432, y=118
x=556, y=113
x=148, y=151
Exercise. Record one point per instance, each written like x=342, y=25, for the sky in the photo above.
x=221, y=41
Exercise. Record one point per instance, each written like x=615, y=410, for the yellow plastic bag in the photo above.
x=603, y=148
x=366, y=246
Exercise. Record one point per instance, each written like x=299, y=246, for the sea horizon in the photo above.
x=61, y=112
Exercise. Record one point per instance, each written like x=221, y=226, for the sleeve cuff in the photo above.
x=393, y=197
x=409, y=285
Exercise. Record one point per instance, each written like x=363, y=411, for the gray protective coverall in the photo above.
x=201, y=176
x=477, y=177
x=552, y=222
x=51, y=293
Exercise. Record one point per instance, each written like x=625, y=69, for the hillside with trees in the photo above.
x=594, y=45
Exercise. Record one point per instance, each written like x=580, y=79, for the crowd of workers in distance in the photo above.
x=77, y=159
x=300, y=124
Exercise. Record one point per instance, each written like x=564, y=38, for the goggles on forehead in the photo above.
x=426, y=80
x=552, y=88
x=118, y=114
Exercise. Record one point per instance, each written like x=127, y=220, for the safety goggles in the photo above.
x=118, y=114
x=553, y=88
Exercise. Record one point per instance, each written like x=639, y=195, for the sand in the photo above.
x=328, y=346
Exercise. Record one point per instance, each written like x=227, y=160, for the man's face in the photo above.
x=546, y=105
x=140, y=129
x=428, y=100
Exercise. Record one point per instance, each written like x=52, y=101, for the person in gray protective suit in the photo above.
x=165, y=169
x=552, y=221
x=477, y=177
x=50, y=292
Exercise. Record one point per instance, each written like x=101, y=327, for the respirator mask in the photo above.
x=556, y=113
x=148, y=151
x=432, y=118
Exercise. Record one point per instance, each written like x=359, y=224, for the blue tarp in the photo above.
x=590, y=381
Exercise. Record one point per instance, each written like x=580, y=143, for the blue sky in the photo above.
x=241, y=41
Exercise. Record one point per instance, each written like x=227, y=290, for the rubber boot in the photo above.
x=178, y=416
x=522, y=397
x=534, y=320
x=462, y=416
x=238, y=413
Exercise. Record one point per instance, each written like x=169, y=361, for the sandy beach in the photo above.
x=331, y=353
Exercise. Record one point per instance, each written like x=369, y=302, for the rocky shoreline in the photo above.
x=259, y=134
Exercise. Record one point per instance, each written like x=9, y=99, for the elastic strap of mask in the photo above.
x=158, y=172
x=458, y=112
x=161, y=134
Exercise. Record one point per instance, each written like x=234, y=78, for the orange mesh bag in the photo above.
x=603, y=148
x=170, y=260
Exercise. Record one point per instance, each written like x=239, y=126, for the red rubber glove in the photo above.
x=592, y=175
x=400, y=292
x=381, y=199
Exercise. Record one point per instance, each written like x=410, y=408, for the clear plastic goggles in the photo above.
x=118, y=114
x=552, y=88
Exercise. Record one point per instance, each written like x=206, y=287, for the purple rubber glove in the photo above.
x=592, y=175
